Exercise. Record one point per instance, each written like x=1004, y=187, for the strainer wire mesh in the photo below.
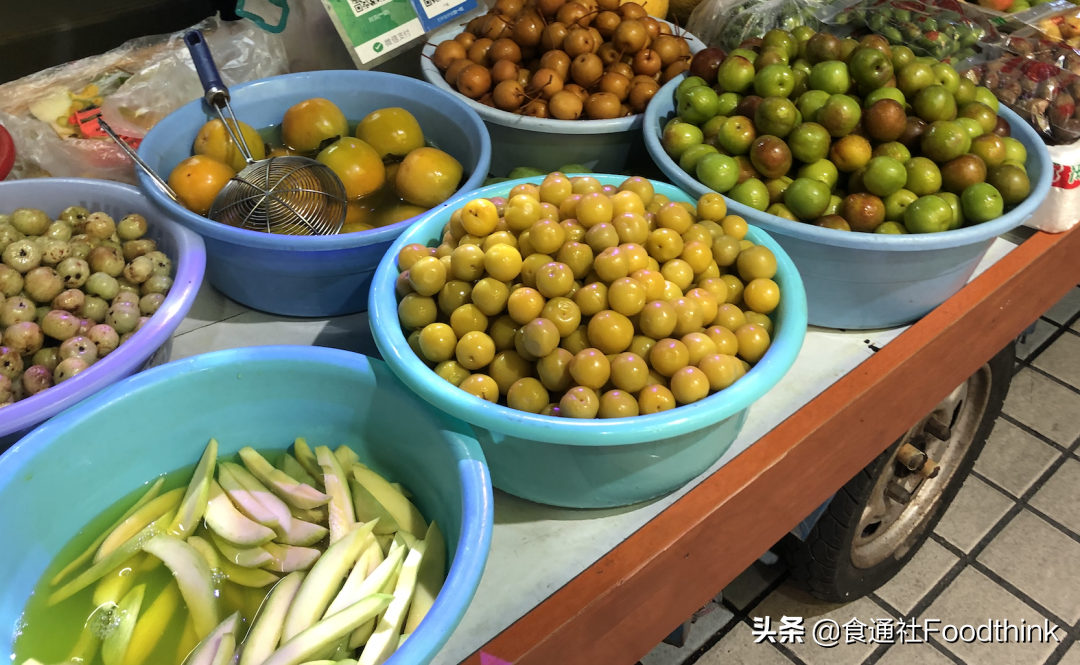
x=283, y=195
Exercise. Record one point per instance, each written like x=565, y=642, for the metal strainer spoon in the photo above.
x=288, y=195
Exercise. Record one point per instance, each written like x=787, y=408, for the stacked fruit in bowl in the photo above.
x=853, y=136
x=389, y=171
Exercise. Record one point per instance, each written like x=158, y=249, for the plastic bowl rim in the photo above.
x=209, y=228
x=912, y=242
x=391, y=342
x=524, y=123
x=33, y=410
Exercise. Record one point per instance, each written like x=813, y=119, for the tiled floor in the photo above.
x=1007, y=548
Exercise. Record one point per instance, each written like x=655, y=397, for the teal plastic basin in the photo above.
x=591, y=463
x=865, y=281
x=70, y=469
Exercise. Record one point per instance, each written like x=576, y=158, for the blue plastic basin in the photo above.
x=591, y=463
x=185, y=248
x=863, y=281
x=604, y=146
x=66, y=472
x=305, y=275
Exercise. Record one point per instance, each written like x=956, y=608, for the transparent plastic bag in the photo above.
x=727, y=23
x=1057, y=21
x=947, y=30
x=1040, y=93
x=135, y=85
x=1058, y=54
x=241, y=50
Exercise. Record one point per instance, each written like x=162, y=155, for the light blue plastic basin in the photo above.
x=305, y=275
x=67, y=471
x=185, y=248
x=863, y=281
x=591, y=463
x=604, y=146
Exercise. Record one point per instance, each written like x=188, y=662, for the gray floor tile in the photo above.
x=789, y=600
x=738, y=647
x=1064, y=309
x=1059, y=498
x=917, y=577
x=1045, y=406
x=1043, y=330
x=1040, y=561
x=751, y=583
x=914, y=654
x=973, y=598
x=1014, y=459
x=1072, y=656
x=975, y=510
x=1062, y=359
x=705, y=626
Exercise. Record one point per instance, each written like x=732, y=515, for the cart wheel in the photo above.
x=881, y=517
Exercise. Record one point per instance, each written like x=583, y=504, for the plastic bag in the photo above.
x=136, y=84
x=242, y=52
x=1042, y=94
x=1057, y=54
x=728, y=24
x=1057, y=21
x=1061, y=209
x=947, y=30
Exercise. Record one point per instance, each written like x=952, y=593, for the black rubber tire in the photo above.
x=822, y=564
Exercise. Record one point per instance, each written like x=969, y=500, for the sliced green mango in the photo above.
x=146, y=498
x=118, y=556
x=358, y=586
x=245, y=501
x=213, y=559
x=247, y=557
x=324, y=581
x=289, y=465
x=401, y=488
x=288, y=558
x=152, y=625
x=265, y=634
x=117, y=582
x=138, y=521
x=341, y=517
x=208, y=650
x=86, y=647
x=198, y=490
x=226, y=650
x=115, y=644
x=384, y=641
x=305, y=456
x=193, y=575
x=430, y=579
x=303, y=646
x=262, y=494
x=300, y=533
x=368, y=508
x=402, y=510
x=189, y=639
x=388, y=577
x=226, y=521
x=290, y=491
x=318, y=515
x=245, y=577
x=346, y=456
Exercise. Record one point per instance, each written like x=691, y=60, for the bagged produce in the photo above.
x=1057, y=21
x=1058, y=54
x=727, y=23
x=947, y=30
x=134, y=85
x=1040, y=93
